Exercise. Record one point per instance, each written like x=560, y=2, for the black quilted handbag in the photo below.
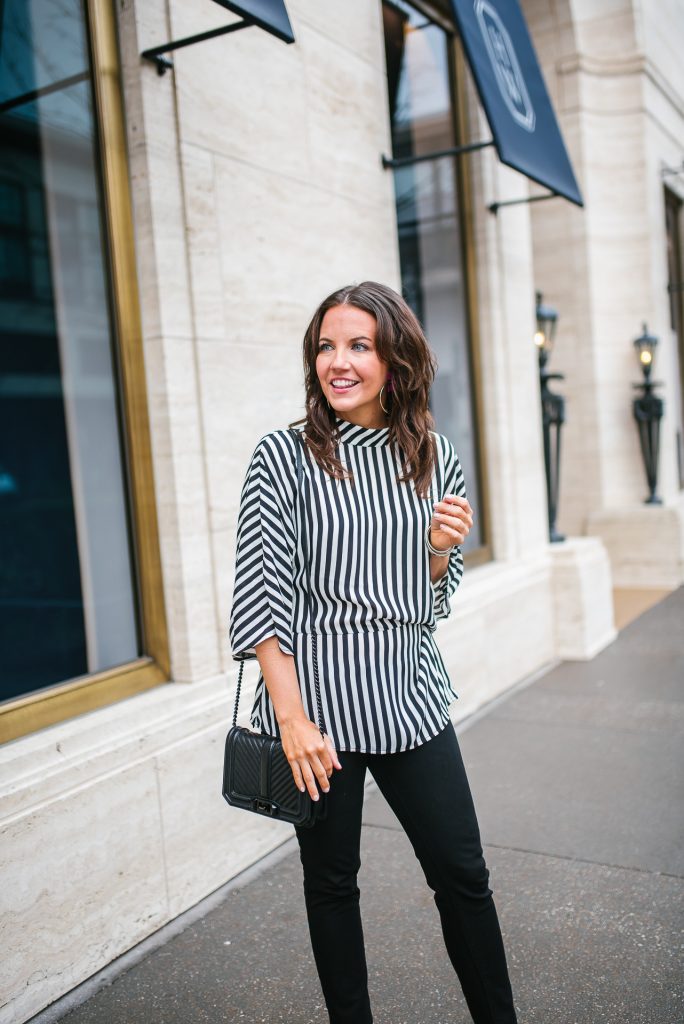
x=256, y=774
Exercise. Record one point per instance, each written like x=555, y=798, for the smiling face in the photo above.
x=349, y=369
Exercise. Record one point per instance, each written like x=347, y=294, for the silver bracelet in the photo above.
x=432, y=549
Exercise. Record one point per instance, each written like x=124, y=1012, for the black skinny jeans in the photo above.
x=428, y=790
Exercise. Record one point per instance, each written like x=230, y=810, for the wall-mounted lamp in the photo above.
x=547, y=321
x=648, y=411
x=553, y=410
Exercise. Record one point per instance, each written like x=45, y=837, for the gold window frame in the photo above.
x=34, y=711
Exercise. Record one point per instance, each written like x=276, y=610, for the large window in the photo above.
x=70, y=587
x=432, y=238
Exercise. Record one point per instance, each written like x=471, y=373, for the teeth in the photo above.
x=344, y=383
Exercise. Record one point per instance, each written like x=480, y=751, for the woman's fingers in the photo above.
x=333, y=753
x=305, y=779
x=454, y=515
x=311, y=756
x=455, y=527
x=311, y=771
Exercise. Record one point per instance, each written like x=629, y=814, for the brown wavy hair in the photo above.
x=401, y=343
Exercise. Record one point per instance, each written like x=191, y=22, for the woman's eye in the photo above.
x=326, y=344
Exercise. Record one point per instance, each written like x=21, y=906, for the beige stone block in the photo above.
x=645, y=543
x=159, y=221
x=224, y=544
x=83, y=881
x=355, y=26
x=46, y=765
x=608, y=91
x=248, y=390
x=207, y=842
x=347, y=121
x=203, y=243
x=582, y=598
x=243, y=95
x=191, y=616
x=509, y=601
x=606, y=28
x=156, y=187
x=309, y=242
x=544, y=16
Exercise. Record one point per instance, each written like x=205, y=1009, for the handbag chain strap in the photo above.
x=300, y=443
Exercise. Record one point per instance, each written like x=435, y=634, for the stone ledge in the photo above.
x=582, y=598
x=70, y=754
x=645, y=543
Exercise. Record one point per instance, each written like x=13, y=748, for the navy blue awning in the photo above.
x=267, y=14
x=512, y=91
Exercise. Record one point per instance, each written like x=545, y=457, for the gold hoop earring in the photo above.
x=380, y=399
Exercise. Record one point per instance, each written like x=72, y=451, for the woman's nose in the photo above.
x=341, y=361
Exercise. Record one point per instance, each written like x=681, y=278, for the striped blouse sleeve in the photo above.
x=263, y=593
x=446, y=585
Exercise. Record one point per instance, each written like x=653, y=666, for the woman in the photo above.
x=385, y=513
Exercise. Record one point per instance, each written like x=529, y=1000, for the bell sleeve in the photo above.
x=262, y=601
x=445, y=587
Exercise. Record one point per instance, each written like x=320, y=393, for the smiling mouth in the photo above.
x=339, y=384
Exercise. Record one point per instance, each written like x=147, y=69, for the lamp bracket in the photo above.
x=154, y=54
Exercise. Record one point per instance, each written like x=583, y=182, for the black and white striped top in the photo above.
x=384, y=686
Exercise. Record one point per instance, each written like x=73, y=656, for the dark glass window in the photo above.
x=431, y=245
x=67, y=587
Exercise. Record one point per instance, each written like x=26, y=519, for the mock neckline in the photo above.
x=352, y=433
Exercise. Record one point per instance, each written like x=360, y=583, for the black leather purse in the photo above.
x=256, y=774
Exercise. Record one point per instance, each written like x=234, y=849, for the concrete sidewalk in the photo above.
x=578, y=783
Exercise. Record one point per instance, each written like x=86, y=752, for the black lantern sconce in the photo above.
x=648, y=411
x=553, y=410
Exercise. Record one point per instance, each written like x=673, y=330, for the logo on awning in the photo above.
x=505, y=64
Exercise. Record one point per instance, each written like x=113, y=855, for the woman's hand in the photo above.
x=451, y=521
x=310, y=755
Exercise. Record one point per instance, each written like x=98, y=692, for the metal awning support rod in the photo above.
x=406, y=161
x=495, y=207
x=155, y=52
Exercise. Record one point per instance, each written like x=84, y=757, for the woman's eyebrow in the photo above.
x=361, y=337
